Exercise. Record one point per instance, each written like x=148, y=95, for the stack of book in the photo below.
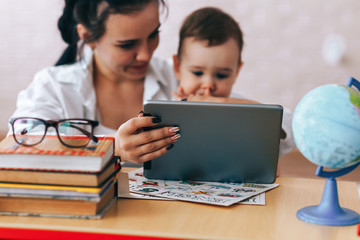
x=52, y=180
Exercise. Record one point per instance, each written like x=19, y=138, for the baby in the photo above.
x=208, y=60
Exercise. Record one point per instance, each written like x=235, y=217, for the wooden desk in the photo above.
x=276, y=220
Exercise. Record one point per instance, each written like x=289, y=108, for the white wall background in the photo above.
x=283, y=44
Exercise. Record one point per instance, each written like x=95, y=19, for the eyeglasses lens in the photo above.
x=28, y=131
x=75, y=132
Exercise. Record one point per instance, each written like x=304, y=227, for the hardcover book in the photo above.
x=55, y=191
x=51, y=154
x=71, y=206
x=66, y=178
x=99, y=215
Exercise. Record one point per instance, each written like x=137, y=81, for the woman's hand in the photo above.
x=138, y=146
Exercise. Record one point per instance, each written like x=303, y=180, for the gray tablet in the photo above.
x=222, y=142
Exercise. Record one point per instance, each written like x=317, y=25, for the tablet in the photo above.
x=221, y=142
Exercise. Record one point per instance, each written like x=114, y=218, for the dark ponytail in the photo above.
x=86, y=12
x=67, y=26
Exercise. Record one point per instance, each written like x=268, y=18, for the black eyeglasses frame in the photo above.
x=55, y=124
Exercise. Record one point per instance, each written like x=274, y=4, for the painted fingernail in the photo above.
x=169, y=146
x=174, y=129
x=140, y=112
x=146, y=114
x=184, y=99
x=175, y=137
x=156, y=119
x=282, y=134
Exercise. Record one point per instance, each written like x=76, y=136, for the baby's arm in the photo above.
x=207, y=98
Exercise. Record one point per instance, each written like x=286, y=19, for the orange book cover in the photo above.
x=51, y=154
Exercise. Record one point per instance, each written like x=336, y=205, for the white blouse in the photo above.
x=67, y=91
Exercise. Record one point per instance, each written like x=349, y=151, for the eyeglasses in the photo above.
x=73, y=132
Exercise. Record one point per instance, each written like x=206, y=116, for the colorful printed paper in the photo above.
x=223, y=194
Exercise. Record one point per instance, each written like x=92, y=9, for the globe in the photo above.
x=326, y=126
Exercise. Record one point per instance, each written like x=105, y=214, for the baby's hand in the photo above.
x=197, y=98
x=178, y=96
x=205, y=98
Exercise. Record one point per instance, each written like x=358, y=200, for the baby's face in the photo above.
x=204, y=70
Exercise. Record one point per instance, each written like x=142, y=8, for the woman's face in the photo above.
x=124, y=51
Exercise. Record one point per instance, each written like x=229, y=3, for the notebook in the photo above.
x=220, y=142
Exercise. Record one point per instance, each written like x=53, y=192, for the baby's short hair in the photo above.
x=213, y=25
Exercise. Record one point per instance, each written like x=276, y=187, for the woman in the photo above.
x=112, y=78
x=114, y=75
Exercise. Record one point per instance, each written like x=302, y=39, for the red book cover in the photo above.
x=51, y=154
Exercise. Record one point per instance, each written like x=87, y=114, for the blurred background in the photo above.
x=290, y=48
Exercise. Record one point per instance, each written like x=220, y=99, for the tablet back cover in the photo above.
x=219, y=142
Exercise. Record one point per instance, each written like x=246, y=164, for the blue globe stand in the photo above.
x=329, y=212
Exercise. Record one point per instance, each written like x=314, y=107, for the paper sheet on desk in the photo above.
x=195, y=191
x=255, y=200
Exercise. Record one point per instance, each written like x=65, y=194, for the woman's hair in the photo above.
x=93, y=15
x=212, y=25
